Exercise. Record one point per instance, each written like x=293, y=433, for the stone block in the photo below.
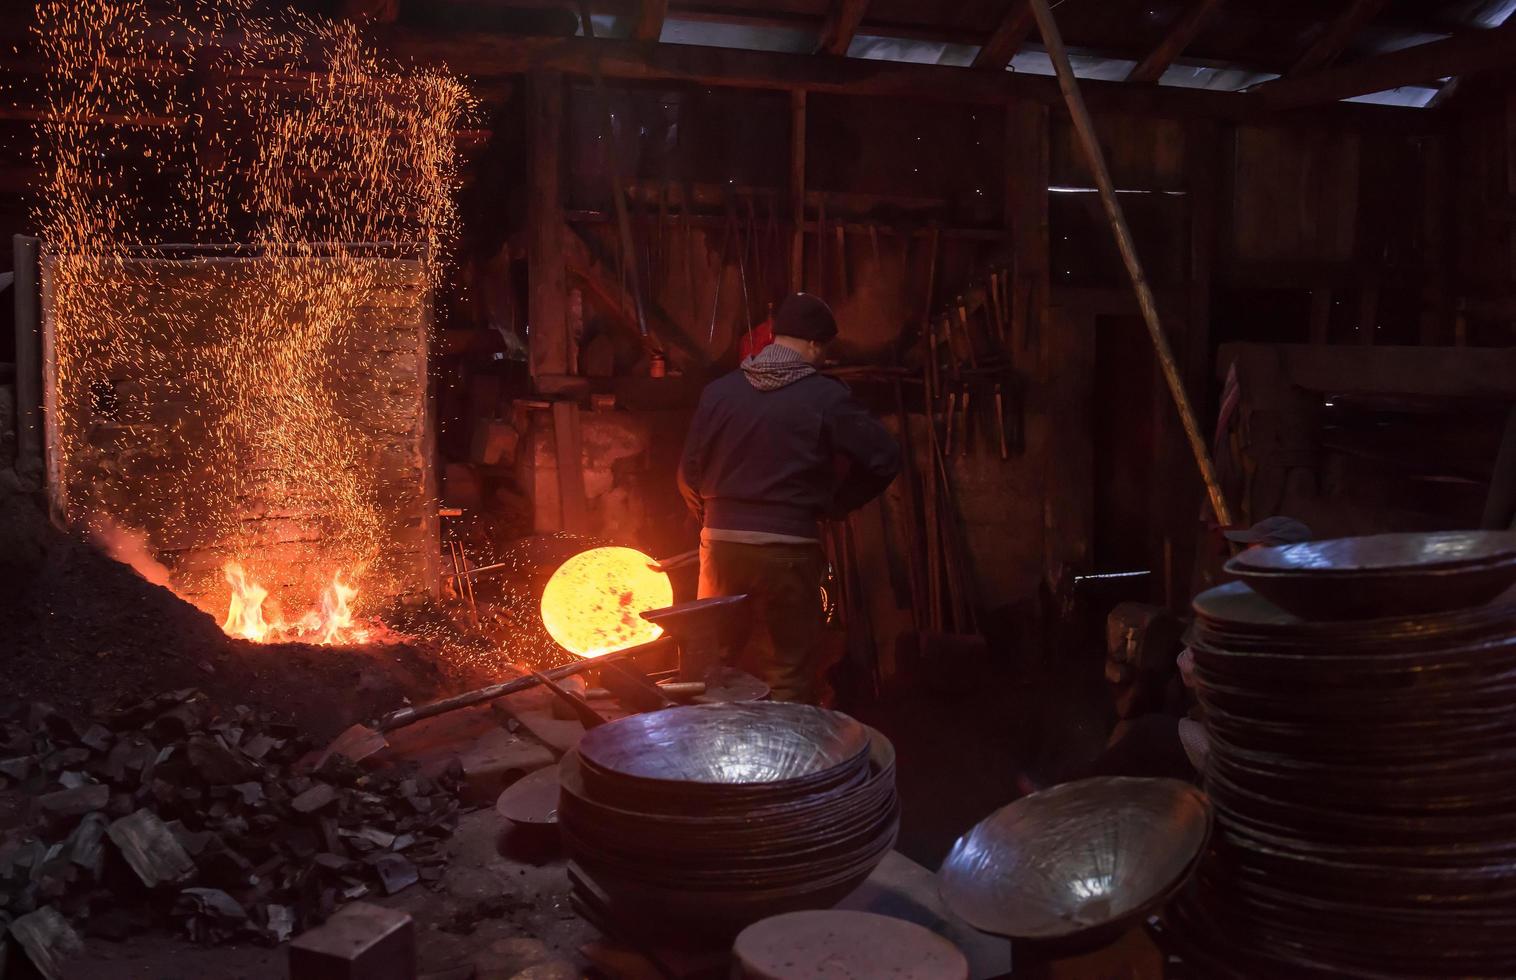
x=362, y=941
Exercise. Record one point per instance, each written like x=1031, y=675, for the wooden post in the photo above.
x=1026, y=206
x=1084, y=127
x=797, y=190
x=568, y=445
x=27, y=290
x=547, y=314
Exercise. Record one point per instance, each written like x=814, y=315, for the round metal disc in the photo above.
x=531, y=800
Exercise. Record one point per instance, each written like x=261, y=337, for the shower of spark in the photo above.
x=288, y=138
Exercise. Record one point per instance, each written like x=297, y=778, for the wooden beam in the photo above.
x=1463, y=54
x=1027, y=162
x=1180, y=34
x=841, y=24
x=547, y=285
x=649, y=23
x=797, y=191
x=1084, y=129
x=1334, y=40
x=492, y=56
x=1015, y=27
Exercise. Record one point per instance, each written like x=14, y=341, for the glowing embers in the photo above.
x=331, y=623
x=594, y=602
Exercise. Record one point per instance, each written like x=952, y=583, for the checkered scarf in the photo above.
x=776, y=366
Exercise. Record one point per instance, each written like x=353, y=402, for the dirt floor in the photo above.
x=493, y=914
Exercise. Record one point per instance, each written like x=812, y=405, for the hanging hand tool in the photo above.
x=656, y=269
x=821, y=244
x=926, y=310
x=687, y=202
x=993, y=302
x=1005, y=452
x=964, y=408
x=841, y=232
x=968, y=336
x=726, y=241
x=746, y=320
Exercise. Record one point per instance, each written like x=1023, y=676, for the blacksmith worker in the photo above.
x=774, y=449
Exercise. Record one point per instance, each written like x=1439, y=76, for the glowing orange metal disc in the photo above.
x=594, y=602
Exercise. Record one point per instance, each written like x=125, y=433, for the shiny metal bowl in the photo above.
x=744, y=744
x=1378, y=553
x=1079, y=862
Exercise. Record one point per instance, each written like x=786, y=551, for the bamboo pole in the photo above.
x=1085, y=129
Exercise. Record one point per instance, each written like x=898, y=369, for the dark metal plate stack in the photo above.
x=1360, y=770
x=1077, y=865
x=696, y=822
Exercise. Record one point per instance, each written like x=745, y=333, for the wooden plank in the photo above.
x=548, y=286
x=1014, y=29
x=1334, y=40
x=1027, y=157
x=491, y=56
x=1348, y=369
x=568, y=444
x=649, y=23
x=797, y=191
x=841, y=24
x=1179, y=36
x=1459, y=55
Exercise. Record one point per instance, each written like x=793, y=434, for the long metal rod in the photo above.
x=409, y=716
x=1085, y=129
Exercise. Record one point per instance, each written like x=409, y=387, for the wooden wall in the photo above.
x=1320, y=227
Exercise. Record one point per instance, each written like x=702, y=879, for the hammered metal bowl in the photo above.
x=1078, y=863
x=727, y=753
x=1382, y=575
x=1378, y=553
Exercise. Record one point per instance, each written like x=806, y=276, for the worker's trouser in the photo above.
x=783, y=582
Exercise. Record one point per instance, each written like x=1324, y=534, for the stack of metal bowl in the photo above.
x=1360, y=768
x=699, y=821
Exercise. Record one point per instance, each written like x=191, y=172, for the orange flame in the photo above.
x=331, y=624
x=594, y=602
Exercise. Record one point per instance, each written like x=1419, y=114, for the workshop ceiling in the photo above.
x=1229, y=44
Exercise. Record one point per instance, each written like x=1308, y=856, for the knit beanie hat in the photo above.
x=803, y=315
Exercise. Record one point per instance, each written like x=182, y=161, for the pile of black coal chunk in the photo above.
x=228, y=826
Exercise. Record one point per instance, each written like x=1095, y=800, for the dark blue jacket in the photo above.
x=768, y=460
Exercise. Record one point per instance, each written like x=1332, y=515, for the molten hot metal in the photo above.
x=594, y=602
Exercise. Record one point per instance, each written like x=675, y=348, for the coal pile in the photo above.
x=160, y=812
